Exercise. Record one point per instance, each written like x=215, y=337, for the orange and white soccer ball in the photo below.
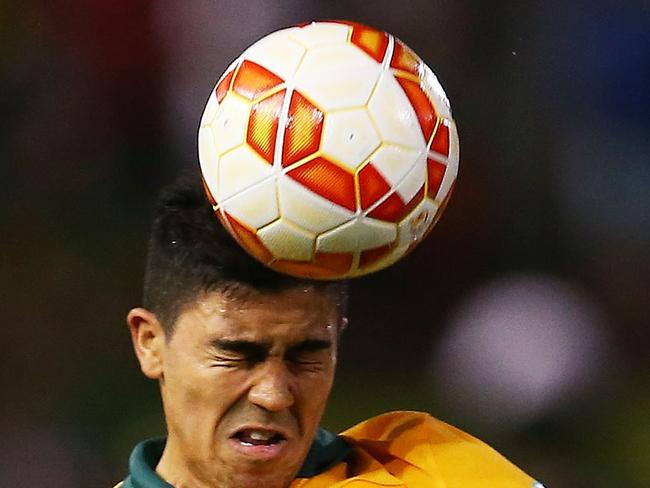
x=328, y=150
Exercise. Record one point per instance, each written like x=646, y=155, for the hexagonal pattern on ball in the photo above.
x=328, y=180
x=320, y=33
x=451, y=171
x=240, y=169
x=413, y=181
x=278, y=53
x=372, y=41
x=230, y=124
x=435, y=173
x=391, y=255
x=404, y=59
x=208, y=160
x=253, y=80
x=394, y=162
x=303, y=130
x=308, y=209
x=337, y=76
x=256, y=206
x=391, y=110
x=417, y=223
x=263, y=125
x=349, y=137
x=431, y=85
x=421, y=103
x=356, y=235
x=286, y=240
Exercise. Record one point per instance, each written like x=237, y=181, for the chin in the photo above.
x=271, y=479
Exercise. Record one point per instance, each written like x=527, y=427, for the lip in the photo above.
x=260, y=452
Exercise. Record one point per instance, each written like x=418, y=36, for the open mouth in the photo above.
x=259, y=437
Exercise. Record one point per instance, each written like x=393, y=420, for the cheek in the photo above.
x=196, y=389
x=314, y=394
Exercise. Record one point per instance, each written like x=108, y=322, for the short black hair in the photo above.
x=191, y=252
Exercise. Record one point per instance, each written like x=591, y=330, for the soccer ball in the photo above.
x=328, y=150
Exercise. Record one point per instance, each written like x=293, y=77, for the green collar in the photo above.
x=327, y=450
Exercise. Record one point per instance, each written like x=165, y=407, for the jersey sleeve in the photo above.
x=424, y=449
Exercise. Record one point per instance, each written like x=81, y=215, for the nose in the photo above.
x=271, y=389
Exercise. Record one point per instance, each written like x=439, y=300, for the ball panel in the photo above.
x=394, y=162
x=238, y=170
x=285, y=240
x=338, y=262
x=303, y=130
x=430, y=84
x=371, y=41
x=393, y=114
x=396, y=207
x=252, y=80
x=309, y=210
x=230, y=124
x=372, y=186
x=371, y=256
x=328, y=180
x=405, y=59
x=307, y=269
x=210, y=111
x=349, y=137
x=452, y=164
x=277, y=53
x=391, y=209
x=394, y=255
x=413, y=182
x=454, y=148
x=440, y=143
x=246, y=237
x=435, y=173
x=263, y=125
x=321, y=76
x=224, y=86
x=413, y=228
x=208, y=160
x=442, y=206
x=356, y=235
x=317, y=33
x=255, y=207
x=421, y=104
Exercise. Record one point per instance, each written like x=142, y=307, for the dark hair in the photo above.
x=191, y=252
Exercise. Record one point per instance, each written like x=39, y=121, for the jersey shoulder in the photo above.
x=402, y=440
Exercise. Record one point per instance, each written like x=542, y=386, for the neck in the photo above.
x=175, y=470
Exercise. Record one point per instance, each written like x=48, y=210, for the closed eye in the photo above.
x=310, y=351
x=238, y=352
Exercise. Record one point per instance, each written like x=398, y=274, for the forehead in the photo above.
x=245, y=313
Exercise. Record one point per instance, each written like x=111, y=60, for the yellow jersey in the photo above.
x=396, y=449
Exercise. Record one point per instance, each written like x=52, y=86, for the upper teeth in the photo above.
x=258, y=435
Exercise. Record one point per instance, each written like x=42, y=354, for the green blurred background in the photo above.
x=523, y=319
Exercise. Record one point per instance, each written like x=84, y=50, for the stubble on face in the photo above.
x=244, y=363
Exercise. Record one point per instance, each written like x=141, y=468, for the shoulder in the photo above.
x=433, y=446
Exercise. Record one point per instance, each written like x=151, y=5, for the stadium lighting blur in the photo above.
x=519, y=347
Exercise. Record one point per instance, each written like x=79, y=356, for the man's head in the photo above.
x=245, y=357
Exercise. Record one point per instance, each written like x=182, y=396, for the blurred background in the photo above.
x=523, y=319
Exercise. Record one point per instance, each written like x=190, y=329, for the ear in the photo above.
x=149, y=341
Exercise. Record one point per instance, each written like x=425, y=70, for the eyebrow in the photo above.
x=245, y=348
x=261, y=349
x=310, y=345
